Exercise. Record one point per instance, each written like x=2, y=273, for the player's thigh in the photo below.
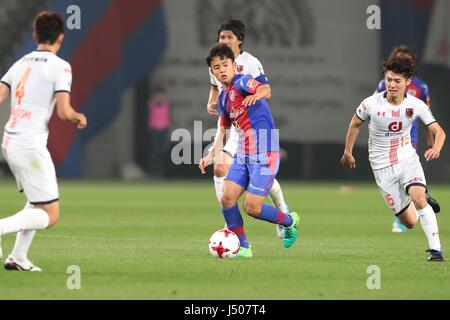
x=262, y=175
x=392, y=190
x=413, y=180
x=222, y=164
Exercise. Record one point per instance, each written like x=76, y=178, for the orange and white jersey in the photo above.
x=33, y=81
x=390, y=127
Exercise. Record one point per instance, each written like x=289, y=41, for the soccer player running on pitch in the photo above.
x=36, y=82
x=242, y=103
x=232, y=33
x=395, y=163
x=419, y=89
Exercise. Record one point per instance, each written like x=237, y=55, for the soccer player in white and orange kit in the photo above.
x=36, y=82
x=394, y=161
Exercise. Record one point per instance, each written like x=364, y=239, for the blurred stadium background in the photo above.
x=320, y=57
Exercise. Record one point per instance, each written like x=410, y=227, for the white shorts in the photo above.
x=34, y=172
x=394, y=182
x=231, y=146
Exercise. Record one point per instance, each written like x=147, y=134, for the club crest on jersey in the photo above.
x=409, y=112
x=239, y=69
x=232, y=96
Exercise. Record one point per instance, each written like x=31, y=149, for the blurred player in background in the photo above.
x=232, y=33
x=242, y=103
x=36, y=82
x=419, y=89
x=395, y=163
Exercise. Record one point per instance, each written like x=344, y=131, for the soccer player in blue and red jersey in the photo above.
x=419, y=89
x=242, y=103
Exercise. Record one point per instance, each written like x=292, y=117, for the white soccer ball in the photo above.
x=224, y=244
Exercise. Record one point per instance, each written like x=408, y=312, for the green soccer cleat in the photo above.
x=245, y=252
x=291, y=233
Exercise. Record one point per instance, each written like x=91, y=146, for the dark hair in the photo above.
x=400, y=65
x=220, y=50
x=236, y=26
x=403, y=51
x=47, y=27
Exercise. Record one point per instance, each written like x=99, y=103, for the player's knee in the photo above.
x=419, y=200
x=220, y=170
x=226, y=201
x=53, y=213
x=252, y=209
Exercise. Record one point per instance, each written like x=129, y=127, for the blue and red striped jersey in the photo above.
x=255, y=124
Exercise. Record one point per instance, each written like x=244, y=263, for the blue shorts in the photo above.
x=256, y=176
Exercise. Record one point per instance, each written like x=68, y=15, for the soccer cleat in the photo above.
x=435, y=255
x=397, y=226
x=291, y=233
x=15, y=265
x=433, y=203
x=245, y=252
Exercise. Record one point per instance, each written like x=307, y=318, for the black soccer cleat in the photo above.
x=436, y=255
x=433, y=203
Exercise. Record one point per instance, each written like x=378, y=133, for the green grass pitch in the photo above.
x=150, y=241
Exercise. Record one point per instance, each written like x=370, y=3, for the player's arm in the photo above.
x=428, y=133
x=4, y=92
x=212, y=101
x=262, y=92
x=439, y=139
x=215, y=149
x=353, y=131
x=66, y=112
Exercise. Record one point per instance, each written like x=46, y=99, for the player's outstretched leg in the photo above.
x=277, y=198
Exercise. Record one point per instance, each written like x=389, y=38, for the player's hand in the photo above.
x=432, y=153
x=212, y=109
x=348, y=161
x=204, y=162
x=249, y=100
x=81, y=121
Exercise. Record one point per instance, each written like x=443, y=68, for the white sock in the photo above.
x=276, y=195
x=430, y=227
x=27, y=219
x=218, y=184
x=22, y=245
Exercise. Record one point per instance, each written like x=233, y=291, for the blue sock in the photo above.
x=271, y=214
x=235, y=223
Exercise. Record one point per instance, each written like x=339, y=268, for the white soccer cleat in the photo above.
x=15, y=265
x=280, y=231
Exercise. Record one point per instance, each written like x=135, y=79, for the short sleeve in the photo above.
x=248, y=84
x=363, y=112
x=256, y=71
x=6, y=79
x=63, y=81
x=425, y=114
